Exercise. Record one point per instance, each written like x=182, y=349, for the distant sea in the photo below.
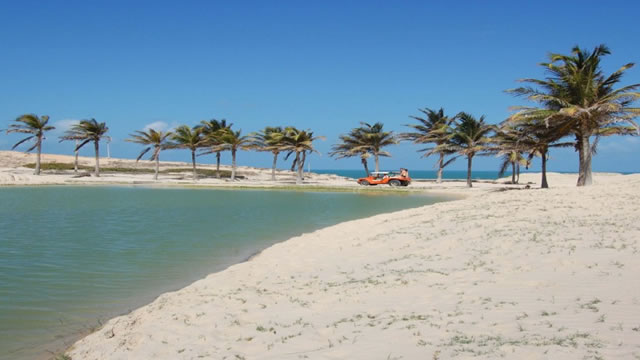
x=432, y=174
x=418, y=174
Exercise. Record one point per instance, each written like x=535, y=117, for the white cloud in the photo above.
x=160, y=126
x=64, y=125
x=618, y=144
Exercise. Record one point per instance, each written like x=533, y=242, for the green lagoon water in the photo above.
x=71, y=257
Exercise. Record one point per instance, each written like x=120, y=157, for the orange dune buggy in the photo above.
x=385, y=177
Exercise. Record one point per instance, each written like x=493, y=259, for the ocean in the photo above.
x=418, y=174
x=432, y=174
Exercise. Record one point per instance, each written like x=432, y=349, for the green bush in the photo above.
x=66, y=166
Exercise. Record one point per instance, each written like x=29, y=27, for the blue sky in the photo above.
x=324, y=65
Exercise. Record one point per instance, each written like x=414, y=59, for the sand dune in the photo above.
x=519, y=274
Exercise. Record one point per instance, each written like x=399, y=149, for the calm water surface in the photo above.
x=71, y=257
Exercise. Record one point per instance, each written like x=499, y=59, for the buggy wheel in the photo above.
x=395, y=183
x=363, y=183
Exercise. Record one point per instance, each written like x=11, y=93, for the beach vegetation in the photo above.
x=210, y=129
x=270, y=139
x=132, y=170
x=299, y=142
x=375, y=139
x=156, y=141
x=35, y=126
x=578, y=99
x=351, y=145
x=226, y=139
x=470, y=137
x=534, y=137
x=432, y=128
x=509, y=149
x=86, y=131
x=185, y=137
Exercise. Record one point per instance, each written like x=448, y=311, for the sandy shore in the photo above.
x=13, y=174
x=506, y=272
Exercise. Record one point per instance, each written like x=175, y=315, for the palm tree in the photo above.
x=269, y=139
x=376, y=139
x=157, y=140
x=434, y=128
x=299, y=142
x=85, y=132
x=187, y=138
x=577, y=98
x=209, y=130
x=513, y=158
x=536, y=138
x=352, y=144
x=228, y=140
x=34, y=126
x=507, y=145
x=469, y=138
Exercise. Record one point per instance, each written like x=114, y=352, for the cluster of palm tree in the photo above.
x=83, y=133
x=463, y=135
x=365, y=141
x=208, y=137
x=290, y=141
x=216, y=136
x=460, y=135
x=576, y=101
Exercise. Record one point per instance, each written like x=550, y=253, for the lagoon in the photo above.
x=72, y=257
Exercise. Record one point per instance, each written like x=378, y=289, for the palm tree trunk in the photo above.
x=440, y=168
x=295, y=161
x=97, y=147
x=299, y=173
x=377, y=163
x=155, y=176
x=366, y=166
x=543, y=156
x=218, y=164
x=75, y=161
x=584, y=152
x=513, y=172
x=518, y=173
x=469, y=159
x=193, y=161
x=304, y=159
x=37, y=170
x=233, y=164
x=273, y=167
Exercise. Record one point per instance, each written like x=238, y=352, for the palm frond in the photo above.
x=22, y=141
x=146, y=150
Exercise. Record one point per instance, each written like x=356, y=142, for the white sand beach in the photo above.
x=505, y=272
x=12, y=173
